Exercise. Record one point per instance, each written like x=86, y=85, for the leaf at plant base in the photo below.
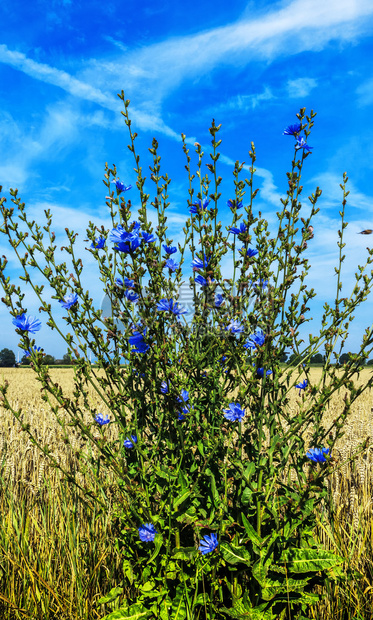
x=179, y=608
x=134, y=612
x=158, y=542
x=243, y=611
x=250, y=531
x=181, y=498
x=111, y=596
x=184, y=553
x=234, y=555
x=305, y=560
x=127, y=569
x=246, y=497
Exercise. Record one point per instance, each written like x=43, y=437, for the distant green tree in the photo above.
x=292, y=358
x=66, y=359
x=370, y=363
x=317, y=359
x=26, y=360
x=7, y=358
x=284, y=357
x=49, y=360
x=344, y=358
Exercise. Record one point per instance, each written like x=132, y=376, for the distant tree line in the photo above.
x=8, y=359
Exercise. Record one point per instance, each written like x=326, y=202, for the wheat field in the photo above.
x=56, y=560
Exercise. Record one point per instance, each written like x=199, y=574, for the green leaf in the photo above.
x=309, y=560
x=243, y=611
x=233, y=554
x=246, y=497
x=158, y=542
x=184, y=553
x=179, y=609
x=127, y=569
x=250, y=531
x=128, y=613
x=111, y=596
x=181, y=498
x=249, y=472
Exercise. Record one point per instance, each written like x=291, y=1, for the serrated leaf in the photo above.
x=111, y=596
x=310, y=560
x=134, y=612
x=243, y=611
x=234, y=555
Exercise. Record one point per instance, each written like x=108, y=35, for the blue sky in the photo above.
x=250, y=65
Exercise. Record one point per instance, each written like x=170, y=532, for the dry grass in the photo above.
x=31, y=574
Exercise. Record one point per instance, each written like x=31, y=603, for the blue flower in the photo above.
x=69, y=300
x=301, y=144
x=129, y=443
x=147, y=532
x=203, y=281
x=172, y=265
x=27, y=323
x=120, y=186
x=198, y=206
x=137, y=341
x=126, y=241
x=183, y=412
x=292, y=130
x=169, y=249
x=164, y=387
x=251, y=252
x=168, y=305
x=128, y=283
x=219, y=300
x=238, y=231
x=302, y=386
x=318, y=455
x=148, y=237
x=260, y=372
x=183, y=399
x=198, y=263
x=131, y=296
x=208, y=544
x=99, y=418
x=184, y=396
x=262, y=283
x=234, y=413
x=98, y=244
x=233, y=203
x=29, y=351
x=235, y=327
x=255, y=341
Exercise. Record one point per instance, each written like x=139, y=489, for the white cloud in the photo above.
x=332, y=196
x=241, y=103
x=365, y=93
x=151, y=73
x=300, y=87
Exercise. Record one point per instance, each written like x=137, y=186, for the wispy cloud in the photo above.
x=365, y=93
x=332, y=196
x=300, y=87
x=153, y=72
